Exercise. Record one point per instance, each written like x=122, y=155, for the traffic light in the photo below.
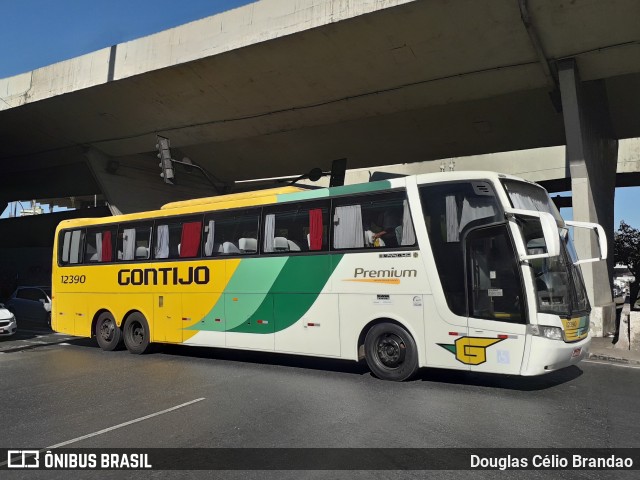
x=164, y=154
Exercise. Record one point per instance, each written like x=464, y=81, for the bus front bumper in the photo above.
x=548, y=355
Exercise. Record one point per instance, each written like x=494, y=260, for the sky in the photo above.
x=36, y=33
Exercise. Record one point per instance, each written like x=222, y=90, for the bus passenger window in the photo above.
x=374, y=221
x=134, y=241
x=71, y=253
x=177, y=238
x=231, y=233
x=296, y=228
x=99, y=245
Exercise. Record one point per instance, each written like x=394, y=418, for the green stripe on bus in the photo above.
x=250, y=282
x=299, y=282
x=306, y=195
x=360, y=188
x=335, y=191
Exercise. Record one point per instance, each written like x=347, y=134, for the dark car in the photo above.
x=32, y=304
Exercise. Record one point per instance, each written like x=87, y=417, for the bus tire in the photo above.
x=391, y=352
x=137, y=337
x=108, y=335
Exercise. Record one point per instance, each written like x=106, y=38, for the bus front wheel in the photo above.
x=391, y=352
x=107, y=332
x=136, y=333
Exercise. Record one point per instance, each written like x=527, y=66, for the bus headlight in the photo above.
x=552, y=333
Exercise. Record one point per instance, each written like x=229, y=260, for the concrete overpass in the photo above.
x=546, y=166
x=275, y=88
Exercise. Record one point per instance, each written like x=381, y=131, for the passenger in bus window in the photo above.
x=387, y=221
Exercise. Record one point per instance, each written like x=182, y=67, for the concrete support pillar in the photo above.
x=591, y=157
x=133, y=183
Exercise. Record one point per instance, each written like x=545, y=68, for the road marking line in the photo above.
x=613, y=364
x=130, y=422
x=115, y=427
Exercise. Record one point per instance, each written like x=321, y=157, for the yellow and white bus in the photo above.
x=462, y=270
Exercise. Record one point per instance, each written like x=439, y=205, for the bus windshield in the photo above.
x=559, y=285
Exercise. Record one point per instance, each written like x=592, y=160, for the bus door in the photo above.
x=497, y=304
x=167, y=318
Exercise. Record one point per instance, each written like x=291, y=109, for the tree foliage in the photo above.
x=626, y=250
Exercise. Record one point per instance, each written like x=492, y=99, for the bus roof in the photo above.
x=279, y=194
x=233, y=197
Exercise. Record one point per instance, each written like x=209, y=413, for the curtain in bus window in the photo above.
x=526, y=202
x=98, y=254
x=453, y=227
x=315, y=229
x=106, y=248
x=190, y=240
x=162, y=242
x=208, y=246
x=348, y=231
x=407, y=234
x=129, y=244
x=74, y=254
x=474, y=208
x=269, y=232
x=65, y=247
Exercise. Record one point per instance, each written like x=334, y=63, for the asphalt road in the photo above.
x=57, y=393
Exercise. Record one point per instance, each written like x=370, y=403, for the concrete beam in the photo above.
x=591, y=156
x=546, y=166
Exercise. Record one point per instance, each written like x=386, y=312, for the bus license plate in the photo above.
x=576, y=352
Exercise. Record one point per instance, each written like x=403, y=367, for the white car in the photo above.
x=8, y=325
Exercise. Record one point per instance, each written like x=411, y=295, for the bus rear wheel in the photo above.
x=136, y=334
x=391, y=352
x=108, y=334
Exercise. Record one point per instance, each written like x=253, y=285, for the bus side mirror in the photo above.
x=602, y=239
x=549, y=229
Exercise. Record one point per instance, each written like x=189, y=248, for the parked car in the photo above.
x=32, y=304
x=8, y=324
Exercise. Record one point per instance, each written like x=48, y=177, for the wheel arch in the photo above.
x=132, y=311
